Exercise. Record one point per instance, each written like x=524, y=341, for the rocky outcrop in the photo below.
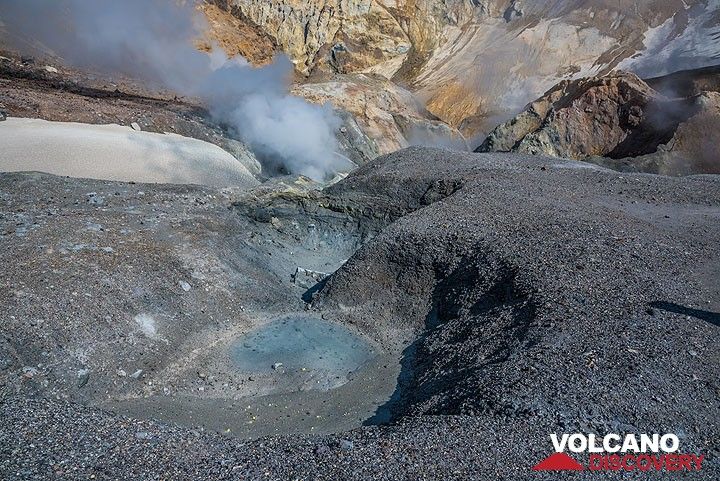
x=346, y=35
x=620, y=118
x=236, y=34
x=511, y=52
x=346, y=52
x=387, y=116
x=693, y=148
x=576, y=119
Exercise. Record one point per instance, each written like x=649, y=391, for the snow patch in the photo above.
x=114, y=152
x=664, y=52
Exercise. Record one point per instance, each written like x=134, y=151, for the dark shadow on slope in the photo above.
x=308, y=295
x=387, y=413
x=711, y=317
x=660, y=122
x=686, y=83
x=478, y=308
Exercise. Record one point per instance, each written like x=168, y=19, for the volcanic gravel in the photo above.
x=522, y=295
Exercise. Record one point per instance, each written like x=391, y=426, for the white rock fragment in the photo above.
x=136, y=126
x=83, y=375
x=185, y=286
x=307, y=278
x=147, y=325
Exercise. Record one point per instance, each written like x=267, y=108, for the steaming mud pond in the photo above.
x=303, y=345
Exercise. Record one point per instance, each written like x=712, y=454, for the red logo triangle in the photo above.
x=558, y=462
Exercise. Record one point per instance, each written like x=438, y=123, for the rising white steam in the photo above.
x=154, y=40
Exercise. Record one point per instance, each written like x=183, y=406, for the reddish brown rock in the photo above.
x=618, y=121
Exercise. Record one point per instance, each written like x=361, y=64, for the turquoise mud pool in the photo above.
x=301, y=344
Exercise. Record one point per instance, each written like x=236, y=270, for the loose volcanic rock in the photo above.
x=521, y=295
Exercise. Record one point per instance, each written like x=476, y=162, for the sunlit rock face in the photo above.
x=389, y=116
x=476, y=62
x=577, y=119
x=349, y=34
x=619, y=121
x=236, y=35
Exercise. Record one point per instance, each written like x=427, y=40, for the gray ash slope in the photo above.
x=523, y=296
x=130, y=297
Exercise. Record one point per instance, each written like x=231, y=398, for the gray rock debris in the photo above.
x=307, y=278
x=95, y=199
x=83, y=376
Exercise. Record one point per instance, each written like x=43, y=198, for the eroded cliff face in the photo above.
x=232, y=32
x=348, y=35
x=473, y=62
x=511, y=52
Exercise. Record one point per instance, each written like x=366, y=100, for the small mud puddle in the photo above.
x=302, y=344
x=330, y=380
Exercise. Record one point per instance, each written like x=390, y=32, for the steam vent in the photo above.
x=359, y=240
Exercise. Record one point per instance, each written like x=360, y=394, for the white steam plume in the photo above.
x=154, y=40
